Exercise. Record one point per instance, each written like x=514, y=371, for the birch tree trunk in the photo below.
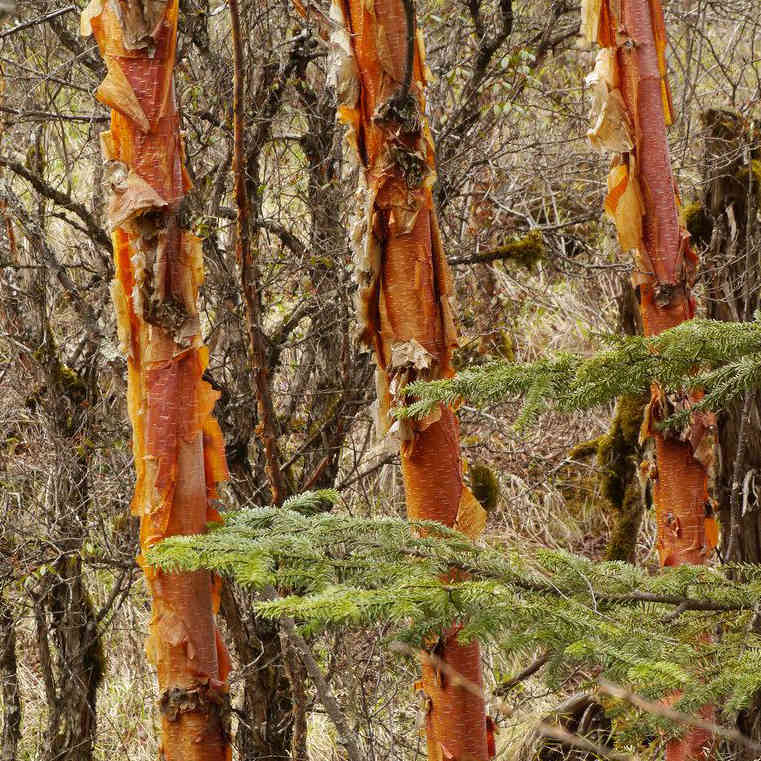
x=178, y=447
x=633, y=106
x=405, y=315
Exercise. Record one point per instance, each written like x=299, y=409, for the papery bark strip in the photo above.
x=404, y=309
x=177, y=444
x=631, y=71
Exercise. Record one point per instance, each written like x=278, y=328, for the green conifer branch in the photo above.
x=335, y=571
x=723, y=359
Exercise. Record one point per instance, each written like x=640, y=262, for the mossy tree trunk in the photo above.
x=634, y=108
x=9, y=687
x=724, y=224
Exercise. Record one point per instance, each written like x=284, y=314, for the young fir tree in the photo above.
x=611, y=620
x=178, y=447
x=404, y=310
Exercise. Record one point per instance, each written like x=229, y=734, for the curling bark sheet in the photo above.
x=632, y=105
x=404, y=310
x=177, y=444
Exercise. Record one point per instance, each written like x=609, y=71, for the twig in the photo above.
x=659, y=709
x=506, y=252
x=249, y=274
x=503, y=688
x=735, y=513
x=684, y=603
x=45, y=115
x=40, y=20
x=33, y=232
x=65, y=201
x=347, y=738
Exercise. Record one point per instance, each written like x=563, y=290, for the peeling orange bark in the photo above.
x=177, y=444
x=633, y=105
x=404, y=309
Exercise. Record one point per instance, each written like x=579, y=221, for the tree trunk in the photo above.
x=405, y=312
x=9, y=691
x=265, y=725
x=79, y=665
x=724, y=223
x=178, y=447
x=634, y=108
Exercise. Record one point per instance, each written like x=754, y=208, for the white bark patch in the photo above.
x=342, y=68
x=93, y=10
x=590, y=19
x=123, y=328
x=367, y=259
x=611, y=129
x=624, y=204
x=131, y=195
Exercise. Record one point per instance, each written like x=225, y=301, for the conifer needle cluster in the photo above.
x=721, y=358
x=335, y=571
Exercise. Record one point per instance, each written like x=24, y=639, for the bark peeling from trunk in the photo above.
x=178, y=446
x=632, y=110
x=403, y=306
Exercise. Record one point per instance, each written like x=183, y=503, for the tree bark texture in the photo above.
x=723, y=221
x=265, y=726
x=177, y=444
x=404, y=309
x=633, y=105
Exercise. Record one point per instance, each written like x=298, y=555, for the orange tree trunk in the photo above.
x=404, y=308
x=178, y=447
x=633, y=106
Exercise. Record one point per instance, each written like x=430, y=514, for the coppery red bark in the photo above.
x=177, y=444
x=634, y=107
x=404, y=309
